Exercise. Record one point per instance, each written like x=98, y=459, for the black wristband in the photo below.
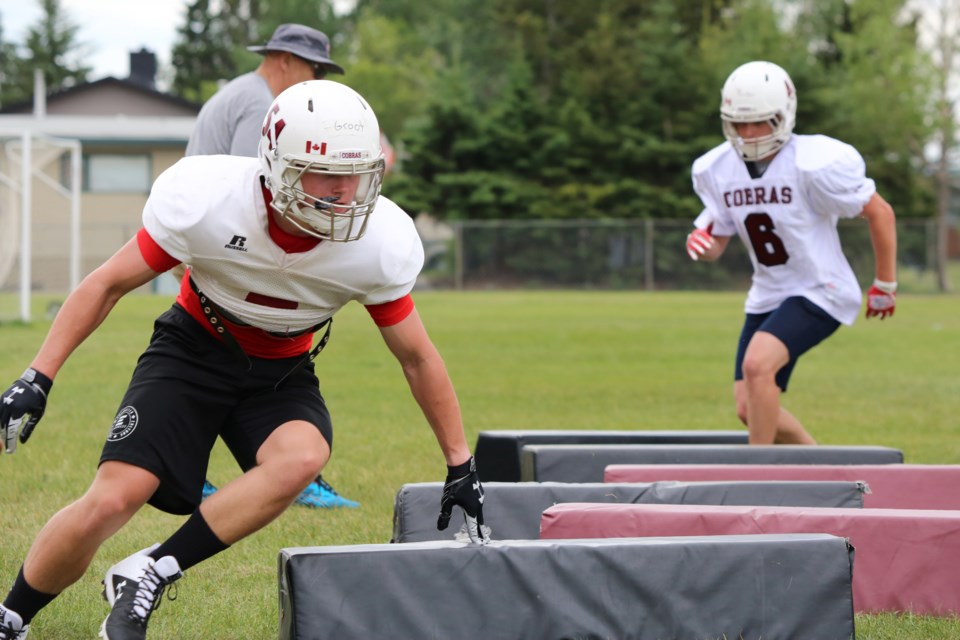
x=461, y=469
x=33, y=376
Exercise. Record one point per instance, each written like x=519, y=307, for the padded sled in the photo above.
x=498, y=452
x=793, y=586
x=586, y=463
x=906, y=559
x=512, y=509
x=890, y=486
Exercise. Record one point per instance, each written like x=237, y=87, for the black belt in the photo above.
x=213, y=314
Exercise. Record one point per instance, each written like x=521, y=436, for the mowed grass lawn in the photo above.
x=526, y=359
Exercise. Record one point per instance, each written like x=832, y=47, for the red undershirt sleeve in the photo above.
x=391, y=313
x=154, y=255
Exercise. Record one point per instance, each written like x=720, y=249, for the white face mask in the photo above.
x=325, y=217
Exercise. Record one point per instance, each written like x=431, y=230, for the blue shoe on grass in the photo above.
x=208, y=490
x=320, y=495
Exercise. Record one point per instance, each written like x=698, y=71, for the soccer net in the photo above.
x=37, y=173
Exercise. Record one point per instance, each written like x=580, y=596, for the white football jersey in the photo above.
x=787, y=218
x=209, y=213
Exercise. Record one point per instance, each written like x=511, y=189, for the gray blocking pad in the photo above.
x=751, y=586
x=586, y=463
x=498, y=452
x=512, y=510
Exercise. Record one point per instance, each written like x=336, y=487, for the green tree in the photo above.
x=202, y=54
x=51, y=45
x=440, y=144
x=318, y=14
x=388, y=65
x=9, y=58
x=873, y=90
x=946, y=28
x=584, y=123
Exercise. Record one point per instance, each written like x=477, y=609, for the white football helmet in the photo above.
x=755, y=92
x=322, y=127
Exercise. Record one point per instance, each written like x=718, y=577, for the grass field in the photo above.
x=579, y=360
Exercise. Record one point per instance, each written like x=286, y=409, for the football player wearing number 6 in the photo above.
x=783, y=194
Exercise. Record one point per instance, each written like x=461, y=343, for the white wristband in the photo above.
x=886, y=287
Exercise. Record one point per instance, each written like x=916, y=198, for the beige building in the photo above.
x=128, y=133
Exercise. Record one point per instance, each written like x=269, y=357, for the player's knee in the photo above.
x=313, y=463
x=757, y=369
x=302, y=467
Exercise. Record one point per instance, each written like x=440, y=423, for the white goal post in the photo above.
x=26, y=157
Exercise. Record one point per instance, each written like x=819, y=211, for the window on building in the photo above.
x=116, y=173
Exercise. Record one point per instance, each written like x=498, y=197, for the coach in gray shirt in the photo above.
x=230, y=122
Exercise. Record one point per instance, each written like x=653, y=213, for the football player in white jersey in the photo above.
x=274, y=246
x=783, y=194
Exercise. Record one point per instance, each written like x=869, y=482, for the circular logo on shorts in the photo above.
x=124, y=424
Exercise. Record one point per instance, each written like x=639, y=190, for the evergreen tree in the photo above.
x=202, y=54
x=51, y=46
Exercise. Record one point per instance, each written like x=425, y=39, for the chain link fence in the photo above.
x=643, y=254
x=530, y=254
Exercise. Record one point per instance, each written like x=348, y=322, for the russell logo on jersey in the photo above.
x=236, y=243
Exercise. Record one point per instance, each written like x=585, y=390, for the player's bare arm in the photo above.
x=883, y=234
x=90, y=303
x=433, y=390
x=882, y=295
x=430, y=384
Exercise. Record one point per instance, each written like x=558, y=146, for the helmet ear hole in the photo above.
x=325, y=128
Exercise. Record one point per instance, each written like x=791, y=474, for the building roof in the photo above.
x=109, y=96
x=107, y=111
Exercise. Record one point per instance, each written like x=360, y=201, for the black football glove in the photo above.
x=463, y=488
x=21, y=407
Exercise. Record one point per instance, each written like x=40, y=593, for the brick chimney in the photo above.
x=143, y=68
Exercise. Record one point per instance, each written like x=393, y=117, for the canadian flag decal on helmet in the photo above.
x=313, y=146
x=272, y=129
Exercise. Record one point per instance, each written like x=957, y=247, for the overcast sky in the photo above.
x=110, y=29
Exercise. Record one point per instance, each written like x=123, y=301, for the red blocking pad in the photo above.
x=904, y=560
x=890, y=486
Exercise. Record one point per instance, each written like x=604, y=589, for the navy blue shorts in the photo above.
x=187, y=389
x=797, y=323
